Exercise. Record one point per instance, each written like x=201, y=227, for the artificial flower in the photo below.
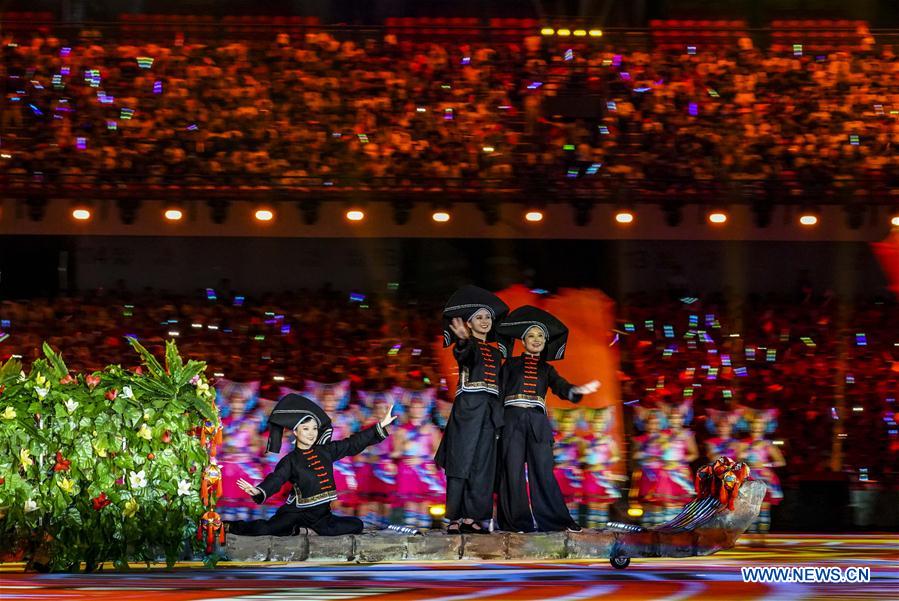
x=138, y=479
x=40, y=380
x=30, y=506
x=183, y=488
x=68, y=379
x=111, y=394
x=145, y=432
x=92, y=381
x=127, y=392
x=41, y=392
x=9, y=413
x=130, y=508
x=100, y=501
x=25, y=458
x=71, y=405
x=66, y=485
x=62, y=464
x=100, y=451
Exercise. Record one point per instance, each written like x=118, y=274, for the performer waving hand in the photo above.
x=467, y=452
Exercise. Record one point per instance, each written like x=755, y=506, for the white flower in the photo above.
x=138, y=479
x=22, y=377
x=30, y=506
x=41, y=392
x=71, y=405
x=183, y=488
x=127, y=392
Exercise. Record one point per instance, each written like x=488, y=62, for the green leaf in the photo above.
x=59, y=367
x=148, y=359
x=173, y=361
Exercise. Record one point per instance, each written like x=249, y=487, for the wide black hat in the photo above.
x=465, y=302
x=522, y=319
x=291, y=410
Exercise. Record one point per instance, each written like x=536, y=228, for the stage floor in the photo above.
x=714, y=577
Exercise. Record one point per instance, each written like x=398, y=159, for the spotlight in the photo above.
x=808, y=219
x=717, y=217
x=264, y=215
x=355, y=215
x=579, y=33
x=534, y=216
x=128, y=208
x=624, y=216
x=218, y=210
x=547, y=31
x=309, y=209
x=81, y=214
x=894, y=220
x=173, y=214
x=437, y=511
x=595, y=33
x=635, y=511
x=440, y=216
x=563, y=32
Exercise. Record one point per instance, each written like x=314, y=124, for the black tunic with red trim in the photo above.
x=476, y=407
x=311, y=471
x=526, y=379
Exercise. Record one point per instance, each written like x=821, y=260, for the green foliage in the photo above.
x=128, y=436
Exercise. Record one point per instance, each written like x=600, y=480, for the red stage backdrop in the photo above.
x=590, y=354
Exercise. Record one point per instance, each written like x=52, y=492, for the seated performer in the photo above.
x=528, y=437
x=310, y=468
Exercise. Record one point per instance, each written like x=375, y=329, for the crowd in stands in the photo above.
x=827, y=368
x=318, y=108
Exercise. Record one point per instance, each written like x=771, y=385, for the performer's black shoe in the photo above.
x=473, y=528
x=454, y=528
x=574, y=528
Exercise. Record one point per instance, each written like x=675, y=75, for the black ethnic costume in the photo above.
x=467, y=451
x=310, y=471
x=527, y=433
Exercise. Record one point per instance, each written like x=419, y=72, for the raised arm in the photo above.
x=358, y=442
x=561, y=387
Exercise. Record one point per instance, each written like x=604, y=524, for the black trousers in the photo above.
x=288, y=518
x=527, y=439
x=472, y=497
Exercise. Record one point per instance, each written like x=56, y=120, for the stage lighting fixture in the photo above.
x=309, y=209
x=440, y=216
x=355, y=214
x=547, y=31
x=81, y=214
x=490, y=208
x=579, y=33
x=595, y=33
x=717, y=217
x=174, y=214
x=894, y=220
x=402, y=210
x=635, y=511
x=563, y=32
x=534, y=216
x=218, y=210
x=128, y=208
x=673, y=213
x=37, y=207
x=583, y=212
x=437, y=511
x=264, y=214
x=855, y=215
x=808, y=219
x=761, y=211
x=624, y=216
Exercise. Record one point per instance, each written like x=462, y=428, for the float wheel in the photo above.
x=620, y=562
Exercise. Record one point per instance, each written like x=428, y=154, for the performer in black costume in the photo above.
x=467, y=452
x=310, y=468
x=527, y=433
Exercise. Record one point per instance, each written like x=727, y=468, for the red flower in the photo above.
x=166, y=437
x=111, y=394
x=138, y=370
x=151, y=456
x=2, y=481
x=62, y=465
x=100, y=502
x=67, y=380
x=92, y=381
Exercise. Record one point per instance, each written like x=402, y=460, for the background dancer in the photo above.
x=600, y=454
